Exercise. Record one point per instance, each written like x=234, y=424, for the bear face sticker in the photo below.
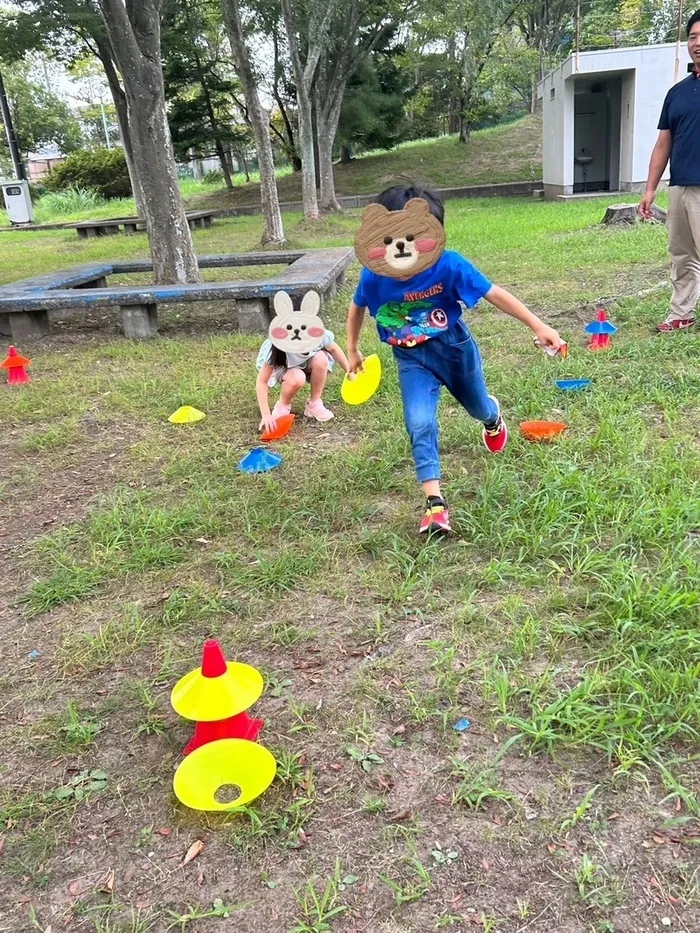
x=299, y=332
x=402, y=243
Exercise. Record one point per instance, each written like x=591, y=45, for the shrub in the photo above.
x=70, y=201
x=103, y=171
x=214, y=177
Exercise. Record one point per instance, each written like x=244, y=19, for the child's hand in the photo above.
x=356, y=361
x=548, y=338
x=268, y=423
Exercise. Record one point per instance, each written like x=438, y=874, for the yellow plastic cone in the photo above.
x=245, y=765
x=206, y=699
x=362, y=387
x=186, y=415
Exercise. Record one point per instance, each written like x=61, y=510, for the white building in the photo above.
x=600, y=114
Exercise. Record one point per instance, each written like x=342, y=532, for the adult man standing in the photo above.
x=679, y=140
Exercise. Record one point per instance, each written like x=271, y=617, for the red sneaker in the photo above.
x=675, y=324
x=436, y=519
x=496, y=438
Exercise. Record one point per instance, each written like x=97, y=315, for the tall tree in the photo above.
x=198, y=89
x=273, y=231
x=356, y=29
x=40, y=118
x=373, y=111
x=307, y=26
x=133, y=32
x=68, y=30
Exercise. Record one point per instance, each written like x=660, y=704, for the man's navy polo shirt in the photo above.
x=681, y=115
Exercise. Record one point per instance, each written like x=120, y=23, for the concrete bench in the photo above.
x=111, y=225
x=26, y=306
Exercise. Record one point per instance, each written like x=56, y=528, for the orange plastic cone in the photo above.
x=16, y=367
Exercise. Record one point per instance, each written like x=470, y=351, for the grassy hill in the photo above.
x=500, y=154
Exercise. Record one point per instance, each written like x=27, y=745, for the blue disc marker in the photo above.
x=259, y=460
x=571, y=385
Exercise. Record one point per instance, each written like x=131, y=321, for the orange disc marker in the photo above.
x=284, y=426
x=541, y=430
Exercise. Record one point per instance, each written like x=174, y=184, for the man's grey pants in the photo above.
x=684, y=248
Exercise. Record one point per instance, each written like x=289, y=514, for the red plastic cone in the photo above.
x=600, y=341
x=213, y=660
x=236, y=727
x=16, y=367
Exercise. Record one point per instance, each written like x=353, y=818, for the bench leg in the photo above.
x=140, y=321
x=82, y=234
x=96, y=283
x=129, y=229
x=5, y=329
x=90, y=231
x=253, y=315
x=29, y=325
x=207, y=221
x=340, y=281
x=331, y=291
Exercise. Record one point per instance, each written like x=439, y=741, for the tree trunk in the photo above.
x=119, y=98
x=273, y=231
x=221, y=153
x=303, y=78
x=134, y=35
x=328, y=118
x=346, y=156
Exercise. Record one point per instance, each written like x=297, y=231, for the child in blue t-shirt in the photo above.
x=415, y=291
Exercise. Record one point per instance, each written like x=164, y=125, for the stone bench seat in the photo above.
x=112, y=225
x=26, y=306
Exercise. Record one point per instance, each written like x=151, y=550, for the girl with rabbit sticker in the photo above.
x=298, y=350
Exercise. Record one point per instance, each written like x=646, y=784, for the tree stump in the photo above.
x=627, y=214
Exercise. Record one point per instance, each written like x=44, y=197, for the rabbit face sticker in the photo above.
x=299, y=332
x=402, y=243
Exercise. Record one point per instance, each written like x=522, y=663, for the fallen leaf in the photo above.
x=164, y=831
x=142, y=905
x=108, y=884
x=336, y=767
x=660, y=840
x=194, y=850
x=399, y=730
x=78, y=887
x=2, y=844
x=129, y=873
x=614, y=816
x=485, y=865
x=551, y=848
x=200, y=878
x=385, y=782
x=401, y=816
x=442, y=798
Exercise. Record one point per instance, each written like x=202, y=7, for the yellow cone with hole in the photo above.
x=245, y=768
x=186, y=415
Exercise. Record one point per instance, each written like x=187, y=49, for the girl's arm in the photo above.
x=262, y=391
x=509, y=304
x=356, y=318
x=337, y=353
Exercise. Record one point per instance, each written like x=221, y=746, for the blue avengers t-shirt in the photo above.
x=411, y=311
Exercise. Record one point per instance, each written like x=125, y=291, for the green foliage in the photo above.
x=103, y=171
x=70, y=201
x=40, y=118
x=373, y=105
x=213, y=178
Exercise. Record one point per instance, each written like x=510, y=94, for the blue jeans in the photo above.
x=451, y=360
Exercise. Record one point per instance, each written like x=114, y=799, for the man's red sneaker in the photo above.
x=496, y=436
x=675, y=324
x=436, y=519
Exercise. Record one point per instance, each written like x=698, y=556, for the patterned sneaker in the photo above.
x=318, y=411
x=496, y=436
x=670, y=324
x=280, y=410
x=437, y=517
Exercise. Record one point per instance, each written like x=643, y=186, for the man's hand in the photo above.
x=268, y=423
x=356, y=361
x=645, y=205
x=548, y=338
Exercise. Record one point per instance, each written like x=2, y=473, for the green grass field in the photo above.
x=561, y=619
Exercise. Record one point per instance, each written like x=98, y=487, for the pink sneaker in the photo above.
x=318, y=411
x=281, y=409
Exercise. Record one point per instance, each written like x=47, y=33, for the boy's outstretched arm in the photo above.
x=356, y=318
x=509, y=304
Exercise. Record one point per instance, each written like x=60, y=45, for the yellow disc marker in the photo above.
x=245, y=765
x=206, y=699
x=186, y=415
x=362, y=387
